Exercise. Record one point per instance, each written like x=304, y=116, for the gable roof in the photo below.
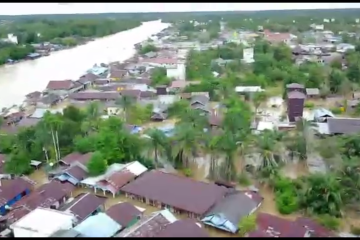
x=123, y=213
x=83, y=205
x=179, y=192
x=228, y=212
x=11, y=188
x=59, y=85
x=99, y=225
x=296, y=95
x=183, y=228
x=202, y=99
x=294, y=85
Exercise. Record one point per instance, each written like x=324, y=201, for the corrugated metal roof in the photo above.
x=99, y=225
x=39, y=112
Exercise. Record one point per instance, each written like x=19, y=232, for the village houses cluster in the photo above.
x=53, y=209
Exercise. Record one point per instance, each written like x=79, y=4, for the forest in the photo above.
x=65, y=32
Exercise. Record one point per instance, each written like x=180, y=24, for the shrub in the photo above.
x=355, y=230
x=309, y=105
x=287, y=202
x=329, y=221
x=336, y=110
x=247, y=224
x=244, y=179
x=187, y=172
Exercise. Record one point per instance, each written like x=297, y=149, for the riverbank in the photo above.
x=18, y=80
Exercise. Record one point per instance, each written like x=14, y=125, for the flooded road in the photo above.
x=22, y=78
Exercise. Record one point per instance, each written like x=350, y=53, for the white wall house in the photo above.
x=248, y=55
x=42, y=222
x=179, y=73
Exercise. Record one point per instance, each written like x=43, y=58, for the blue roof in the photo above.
x=99, y=225
x=322, y=112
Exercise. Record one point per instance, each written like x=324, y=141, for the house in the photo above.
x=356, y=95
x=13, y=117
x=149, y=226
x=312, y=92
x=186, y=228
x=84, y=205
x=228, y=212
x=12, y=191
x=295, y=105
x=117, y=74
x=42, y=223
x=50, y=195
x=3, y=174
x=344, y=47
x=273, y=226
x=112, y=108
x=161, y=90
x=132, y=93
x=343, y=126
x=40, y=112
x=88, y=79
x=33, y=97
x=295, y=87
x=178, y=73
x=276, y=38
x=74, y=174
x=101, y=82
x=179, y=194
x=116, y=180
x=125, y=214
x=159, y=113
x=49, y=100
x=200, y=102
x=99, y=225
x=322, y=114
x=71, y=158
x=161, y=62
x=179, y=85
x=63, y=87
x=91, y=96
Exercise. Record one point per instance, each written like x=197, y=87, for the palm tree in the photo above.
x=258, y=98
x=227, y=144
x=125, y=102
x=157, y=140
x=269, y=150
x=211, y=147
x=186, y=143
x=52, y=123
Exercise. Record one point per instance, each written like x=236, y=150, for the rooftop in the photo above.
x=179, y=192
x=44, y=221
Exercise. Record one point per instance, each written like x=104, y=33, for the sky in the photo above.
x=70, y=8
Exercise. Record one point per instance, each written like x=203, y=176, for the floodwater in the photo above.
x=20, y=79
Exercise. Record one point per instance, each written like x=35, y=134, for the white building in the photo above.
x=248, y=55
x=179, y=72
x=42, y=223
x=12, y=38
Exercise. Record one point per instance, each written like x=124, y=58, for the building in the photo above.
x=84, y=205
x=125, y=214
x=42, y=223
x=295, y=87
x=228, y=212
x=63, y=87
x=3, y=174
x=248, y=55
x=178, y=72
x=99, y=225
x=13, y=191
x=179, y=194
x=295, y=105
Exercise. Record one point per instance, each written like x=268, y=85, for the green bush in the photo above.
x=336, y=110
x=187, y=172
x=244, y=180
x=329, y=222
x=309, y=105
x=287, y=202
x=355, y=230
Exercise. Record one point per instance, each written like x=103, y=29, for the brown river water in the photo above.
x=20, y=79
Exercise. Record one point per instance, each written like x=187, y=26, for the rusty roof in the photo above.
x=123, y=213
x=179, y=192
x=294, y=85
x=183, y=228
x=11, y=188
x=117, y=73
x=76, y=172
x=119, y=179
x=95, y=95
x=83, y=205
x=148, y=226
x=59, y=85
x=131, y=93
x=71, y=158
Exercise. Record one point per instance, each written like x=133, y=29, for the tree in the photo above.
x=148, y=48
x=247, y=224
x=258, y=98
x=157, y=143
x=125, y=102
x=336, y=77
x=97, y=164
x=18, y=164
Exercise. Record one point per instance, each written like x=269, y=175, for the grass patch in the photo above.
x=309, y=105
x=274, y=91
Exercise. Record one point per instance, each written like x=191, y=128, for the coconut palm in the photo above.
x=157, y=143
x=228, y=145
x=125, y=102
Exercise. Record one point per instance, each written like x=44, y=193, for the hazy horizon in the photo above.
x=83, y=8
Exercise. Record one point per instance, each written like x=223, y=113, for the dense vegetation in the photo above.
x=68, y=32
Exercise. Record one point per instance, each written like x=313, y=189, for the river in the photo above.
x=20, y=79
